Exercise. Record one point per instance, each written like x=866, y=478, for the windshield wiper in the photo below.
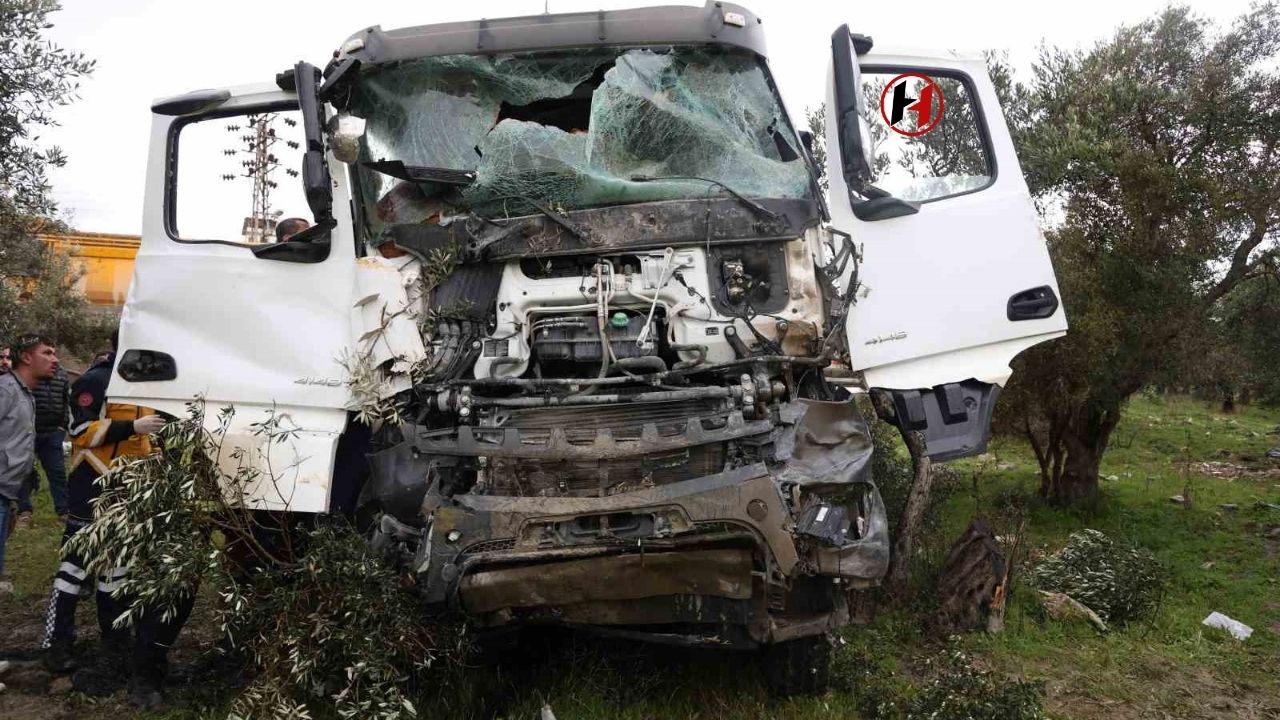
x=418, y=173
x=552, y=215
x=755, y=206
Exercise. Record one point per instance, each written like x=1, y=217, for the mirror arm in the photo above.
x=884, y=207
x=315, y=171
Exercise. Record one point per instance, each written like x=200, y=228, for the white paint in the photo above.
x=935, y=285
x=243, y=331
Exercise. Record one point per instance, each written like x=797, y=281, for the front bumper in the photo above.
x=715, y=559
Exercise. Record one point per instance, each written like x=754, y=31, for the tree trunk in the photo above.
x=1080, y=446
x=909, y=523
x=1078, y=483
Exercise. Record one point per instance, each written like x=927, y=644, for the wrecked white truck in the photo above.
x=582, y=268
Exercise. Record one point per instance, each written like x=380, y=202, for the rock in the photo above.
x=1178, y=500
x=1274, y=453
x=1207, y=566
x=1112, y=478
x=1061, y=606
x=4, y=666
x=60, y=685
x=1238, y=630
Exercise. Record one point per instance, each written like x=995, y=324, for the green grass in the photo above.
x=1170, y=666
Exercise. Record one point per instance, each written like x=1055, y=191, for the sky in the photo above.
x=147, y=49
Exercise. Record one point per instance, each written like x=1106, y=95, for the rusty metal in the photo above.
x=718, y=573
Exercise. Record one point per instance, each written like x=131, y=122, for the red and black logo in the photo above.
x=912, y=93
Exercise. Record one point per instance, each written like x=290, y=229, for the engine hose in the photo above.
x=653, y=363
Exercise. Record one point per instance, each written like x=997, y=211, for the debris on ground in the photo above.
x=1208, y=565
x=1118, y=582
x=1238, y=630
x=1229, y=507
x=1274, y=453
x=972, y=582
x=546, y=713
x=1177, y=500
x=1231, y=470
x=1061, y=606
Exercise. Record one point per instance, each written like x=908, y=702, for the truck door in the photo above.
x=218, y=309
x=955, y=279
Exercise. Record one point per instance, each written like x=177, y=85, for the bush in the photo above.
x=1118, y=582
x=954, y=689
x=326, y=627
x=959, y=691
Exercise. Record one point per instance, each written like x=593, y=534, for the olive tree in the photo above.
x=1157, y=154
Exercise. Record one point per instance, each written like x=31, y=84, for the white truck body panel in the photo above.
x=935, y=284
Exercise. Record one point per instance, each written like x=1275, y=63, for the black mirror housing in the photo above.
x=315, y=170
x=850, y=107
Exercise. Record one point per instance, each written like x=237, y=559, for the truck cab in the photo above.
x=581, y=280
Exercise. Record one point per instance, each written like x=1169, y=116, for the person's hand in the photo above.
x=147, y=425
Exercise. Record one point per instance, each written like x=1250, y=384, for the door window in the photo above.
x=926, y=135
x=237, y=177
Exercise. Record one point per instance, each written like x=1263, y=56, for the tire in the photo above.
x=797, y=667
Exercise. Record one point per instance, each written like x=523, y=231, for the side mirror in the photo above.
x=315, y=171
x=850, y=107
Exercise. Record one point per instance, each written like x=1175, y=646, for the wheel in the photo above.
x=797, y=667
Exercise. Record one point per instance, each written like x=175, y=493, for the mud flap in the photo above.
x=955, y=418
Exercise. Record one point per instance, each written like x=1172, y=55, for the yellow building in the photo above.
x=107, y=261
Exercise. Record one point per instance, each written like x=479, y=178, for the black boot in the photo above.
x=108, y=671
x=58, y=658
x=150, y=666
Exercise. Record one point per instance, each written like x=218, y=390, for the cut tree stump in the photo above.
x=972, y=586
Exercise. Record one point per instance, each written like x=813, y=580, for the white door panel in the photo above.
x=261, y=335
x=940, y=280
x=951, y=287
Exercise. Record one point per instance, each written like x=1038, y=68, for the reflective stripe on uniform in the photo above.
x=63, y=586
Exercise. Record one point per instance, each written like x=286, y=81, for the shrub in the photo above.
x=326, y=626
x=960, y=691
x=1118, y=582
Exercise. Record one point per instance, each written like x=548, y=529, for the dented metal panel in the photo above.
x=715, y=573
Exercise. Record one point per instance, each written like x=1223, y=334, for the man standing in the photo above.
x=101, y=432
x=35, y=360
x=52, y=416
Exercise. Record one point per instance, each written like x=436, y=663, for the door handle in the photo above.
x=147, y=366
x=1034, y=304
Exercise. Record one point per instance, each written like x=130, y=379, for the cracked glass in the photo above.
x=574, y=130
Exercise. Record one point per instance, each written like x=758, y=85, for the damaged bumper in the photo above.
x=719, y=560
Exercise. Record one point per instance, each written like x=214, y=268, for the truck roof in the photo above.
x=718, y=23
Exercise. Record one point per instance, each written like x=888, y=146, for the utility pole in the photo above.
x=258, y=162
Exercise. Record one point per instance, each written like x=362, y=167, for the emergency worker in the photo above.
x=101, y=432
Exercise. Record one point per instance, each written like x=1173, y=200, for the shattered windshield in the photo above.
x=573, y=130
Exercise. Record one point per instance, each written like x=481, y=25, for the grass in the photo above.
x=1169, y=666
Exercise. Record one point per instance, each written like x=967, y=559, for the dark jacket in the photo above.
x=52, y=403
x=102, y=431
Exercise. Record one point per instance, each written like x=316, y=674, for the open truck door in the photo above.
x=218, y=309
x=955, y=279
